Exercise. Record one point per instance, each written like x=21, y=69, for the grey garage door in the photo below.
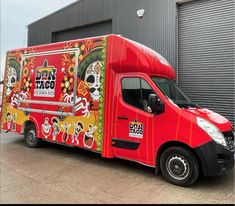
x=206, y=53
x=92, y=30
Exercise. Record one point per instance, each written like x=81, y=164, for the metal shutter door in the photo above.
x=206, y=53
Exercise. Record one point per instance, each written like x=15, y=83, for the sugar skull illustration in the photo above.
x=92, y=78
x=78, y=127
x=12, y=74
x=88, y=139
x=11, y=79
x=56, y=129
x=46, y=128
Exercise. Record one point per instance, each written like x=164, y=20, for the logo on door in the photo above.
x=136, y=129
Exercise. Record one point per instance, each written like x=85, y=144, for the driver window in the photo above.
x=131, y=92
x=146, y=91
x=135, y=92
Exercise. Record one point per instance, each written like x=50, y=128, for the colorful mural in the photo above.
x=62, y=90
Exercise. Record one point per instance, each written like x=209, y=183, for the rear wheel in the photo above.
x=30, y=137
x=179, y=166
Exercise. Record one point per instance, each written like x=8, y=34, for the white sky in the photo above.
x=16, y=15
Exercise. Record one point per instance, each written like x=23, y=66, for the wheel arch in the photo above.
x=169, y=144
x=31, y=121
x=26, y=124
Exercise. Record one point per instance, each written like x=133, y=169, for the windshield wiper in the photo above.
x=187, y=105
x=192, y=105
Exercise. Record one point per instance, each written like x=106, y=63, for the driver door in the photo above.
x=133, y=132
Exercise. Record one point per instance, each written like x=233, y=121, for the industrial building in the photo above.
x=195, y=36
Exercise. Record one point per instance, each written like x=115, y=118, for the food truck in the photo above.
x=116, y=97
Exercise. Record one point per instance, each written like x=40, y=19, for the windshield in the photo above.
x=173, y=92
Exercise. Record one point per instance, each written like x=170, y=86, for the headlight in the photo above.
x=211, y=130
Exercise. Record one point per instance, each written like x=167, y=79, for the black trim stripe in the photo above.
x=124, y=144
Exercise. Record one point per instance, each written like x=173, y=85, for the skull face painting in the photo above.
x=46, y=128
x=11, y=79
x=92, y=78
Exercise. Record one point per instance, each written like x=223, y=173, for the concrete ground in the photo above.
x=59, y=174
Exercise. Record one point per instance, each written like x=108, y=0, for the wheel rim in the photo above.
x=177, y=167
x=31, y=137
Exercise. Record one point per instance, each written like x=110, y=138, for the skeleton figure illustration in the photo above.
x=88, y=139
x=46, y=128
x=81, y=104
x=14, y=122
x=92, y=78
x=65, y=127
x=78, y=127
x=9, y=118
x=56, y=129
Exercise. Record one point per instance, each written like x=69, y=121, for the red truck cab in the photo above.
x=151, y=121
x=135, y=110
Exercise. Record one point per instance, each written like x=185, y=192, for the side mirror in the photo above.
x=155, y=104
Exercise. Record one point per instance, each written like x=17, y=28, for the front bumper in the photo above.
x=215, y=159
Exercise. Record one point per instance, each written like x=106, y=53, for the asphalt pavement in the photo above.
x=58, y=174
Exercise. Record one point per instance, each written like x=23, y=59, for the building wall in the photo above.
x=156, y=30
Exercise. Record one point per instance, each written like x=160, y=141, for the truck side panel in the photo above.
x=60, y=89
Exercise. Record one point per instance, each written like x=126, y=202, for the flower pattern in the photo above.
x=66, y=85
x=71, y=70
x=27, y=84
x=25, y=72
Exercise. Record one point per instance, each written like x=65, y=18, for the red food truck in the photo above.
x=116, y=97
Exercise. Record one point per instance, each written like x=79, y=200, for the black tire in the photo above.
x=30, y=137
x=179, y=166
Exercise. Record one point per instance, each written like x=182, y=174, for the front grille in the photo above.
x=229, y=138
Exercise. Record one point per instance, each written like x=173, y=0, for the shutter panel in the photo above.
x=206, y=53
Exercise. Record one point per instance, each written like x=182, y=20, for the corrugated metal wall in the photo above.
x=91, y=30
x=206, y=53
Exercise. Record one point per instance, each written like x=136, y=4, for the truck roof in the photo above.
x=126, y=56
x=123, y=55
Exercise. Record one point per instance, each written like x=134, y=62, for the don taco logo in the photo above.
x=45, y=81
x=136, y=129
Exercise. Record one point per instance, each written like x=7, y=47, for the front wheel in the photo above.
x=30, y=137
x=179, y=166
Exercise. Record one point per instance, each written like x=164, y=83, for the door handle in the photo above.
x=122, y=117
